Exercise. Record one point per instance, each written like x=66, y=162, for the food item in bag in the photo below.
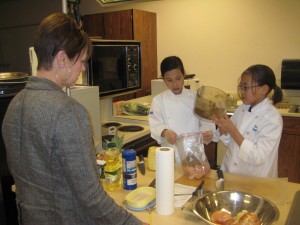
x=192, y=155
x=193, y=168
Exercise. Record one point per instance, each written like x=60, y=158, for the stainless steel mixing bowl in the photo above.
x=234, y=202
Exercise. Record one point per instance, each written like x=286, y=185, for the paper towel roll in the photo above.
x=165, y=181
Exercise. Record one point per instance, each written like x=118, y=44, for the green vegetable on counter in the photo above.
x=132, y=108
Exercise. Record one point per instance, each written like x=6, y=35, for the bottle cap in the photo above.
x=101, y=162
x=111, y=145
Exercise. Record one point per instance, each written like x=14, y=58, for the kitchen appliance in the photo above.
x=158, y=85
x=115, y=66
x=138, y=138
x=88, y=96
x=290, y=74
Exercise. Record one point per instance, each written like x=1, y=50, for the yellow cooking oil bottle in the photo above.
x=113, y=168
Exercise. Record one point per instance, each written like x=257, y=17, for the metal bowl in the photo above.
x=234, y=202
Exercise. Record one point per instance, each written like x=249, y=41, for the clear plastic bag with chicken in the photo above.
x=192, y=155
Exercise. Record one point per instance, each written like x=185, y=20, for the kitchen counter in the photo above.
x=279, y=191
x=285, y=112
x=283, y=108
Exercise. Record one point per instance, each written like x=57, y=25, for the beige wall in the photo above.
x=218, y=39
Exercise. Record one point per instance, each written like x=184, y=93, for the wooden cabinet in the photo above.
x=289, y=150
x=129, y=24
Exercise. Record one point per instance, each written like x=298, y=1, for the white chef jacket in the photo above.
x=258, y=153
x=176, y=113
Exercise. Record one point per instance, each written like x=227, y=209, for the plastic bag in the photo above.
x=192, y=155
x=135, y=109
x=131, y=108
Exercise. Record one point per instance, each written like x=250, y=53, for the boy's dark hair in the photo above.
x=170, y=63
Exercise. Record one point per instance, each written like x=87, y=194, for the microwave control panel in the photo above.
x=133, y=65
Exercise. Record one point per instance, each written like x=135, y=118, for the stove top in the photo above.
x=134, y=131
x=130, y=128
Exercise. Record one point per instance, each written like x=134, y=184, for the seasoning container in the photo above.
x=129, y=169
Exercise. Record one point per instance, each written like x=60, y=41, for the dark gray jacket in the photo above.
x=51, y=156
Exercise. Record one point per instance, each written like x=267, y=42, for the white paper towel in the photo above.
x=165, y=181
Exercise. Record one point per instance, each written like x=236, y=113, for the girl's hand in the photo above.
x=227, y=126
x=207, y=136
x=224, y=123
x=170, y=136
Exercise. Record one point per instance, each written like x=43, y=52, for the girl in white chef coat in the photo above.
x=171, y=112
x=253, y=133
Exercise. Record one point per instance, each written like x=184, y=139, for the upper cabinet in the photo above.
x=129, y=24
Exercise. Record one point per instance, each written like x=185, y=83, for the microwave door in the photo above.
x=115, y=68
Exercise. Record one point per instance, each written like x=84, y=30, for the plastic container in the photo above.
x=113, y=168
x=129, y=169
x=141, y=198
x=210, y=101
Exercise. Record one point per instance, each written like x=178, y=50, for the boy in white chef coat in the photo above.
x=171, y=112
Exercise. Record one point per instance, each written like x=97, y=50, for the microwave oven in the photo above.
x=115, y=66
x=158, y=85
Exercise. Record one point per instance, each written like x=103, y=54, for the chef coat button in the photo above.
x=235, y=164
x=247, y=132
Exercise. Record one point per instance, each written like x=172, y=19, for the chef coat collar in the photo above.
x=258, y=106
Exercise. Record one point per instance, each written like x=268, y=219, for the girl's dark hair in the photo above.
x=59, y=32
x=170, y=63
x=264, y=75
